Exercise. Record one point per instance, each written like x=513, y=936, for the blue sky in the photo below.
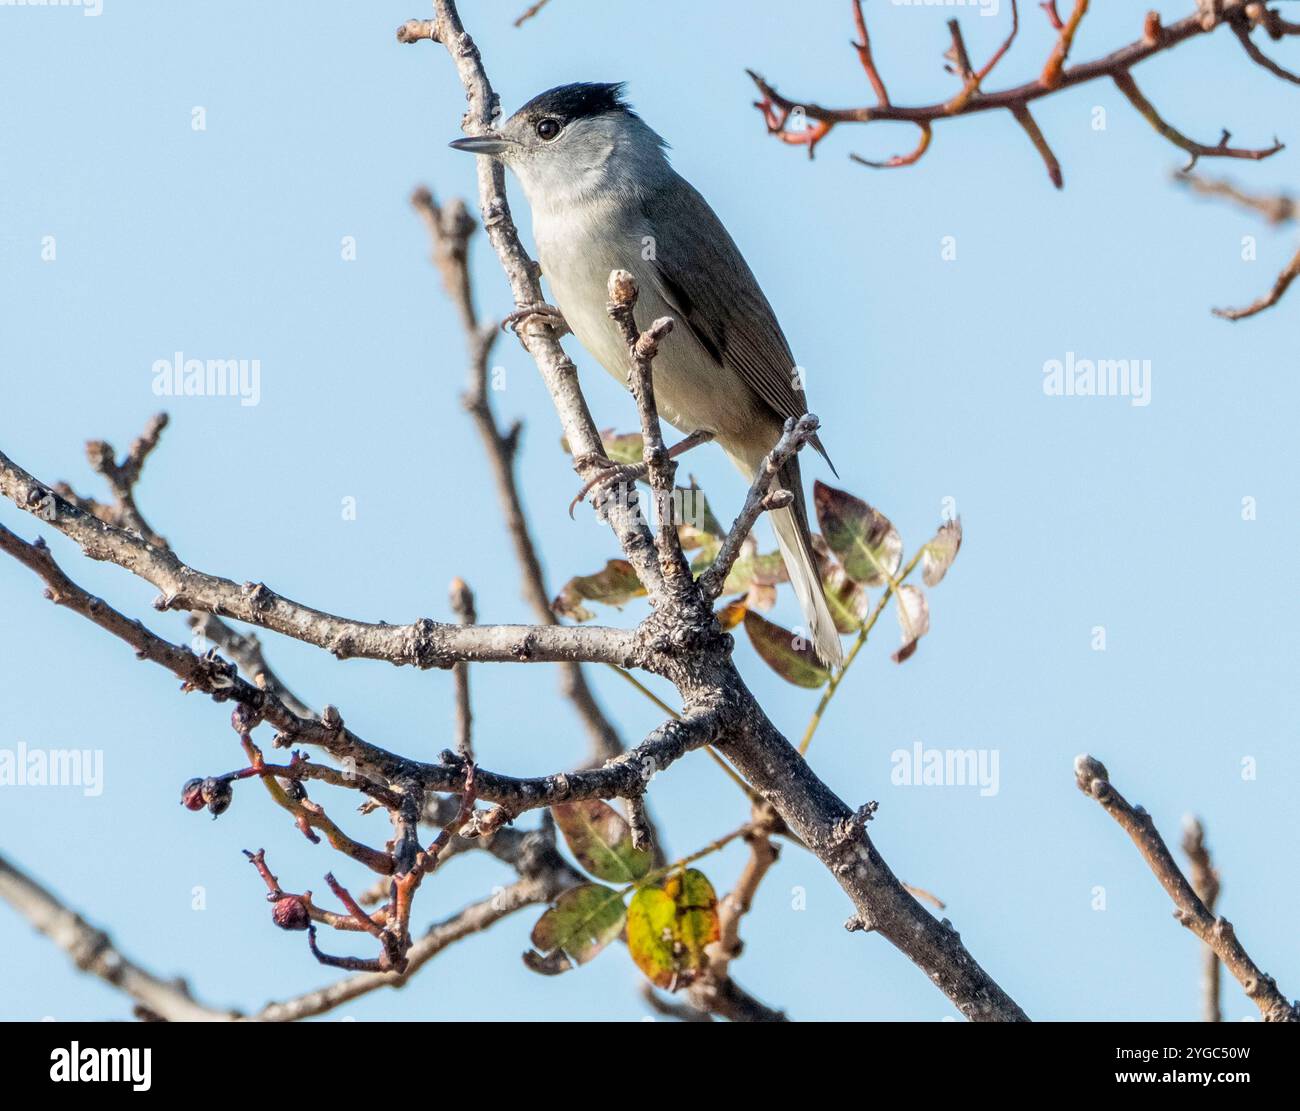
x=927, y=373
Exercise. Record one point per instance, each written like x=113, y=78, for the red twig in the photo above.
x=1156, y=38
x=864, y=55
x=1052, y=72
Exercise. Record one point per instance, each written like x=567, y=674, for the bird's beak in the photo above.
x=482, y=144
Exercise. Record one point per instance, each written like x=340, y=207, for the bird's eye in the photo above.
x=548, y=129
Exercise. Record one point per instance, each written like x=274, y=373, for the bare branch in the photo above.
x=1276, y=209
x=1241, y=15
x=536, y=7
x=423, y=644
x=1093, y=780
x=1125, y=83
x=462, y=605
x=1205, y=882
x=1283, y=282
x=623, y=777
x=660, y=468
x=245, y=650
x=93, y=951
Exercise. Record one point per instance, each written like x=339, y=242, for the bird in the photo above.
x=604, y=196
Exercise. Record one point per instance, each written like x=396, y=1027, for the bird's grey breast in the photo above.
x=578, y=246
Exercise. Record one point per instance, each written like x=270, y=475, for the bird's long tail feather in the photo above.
x=794, y=539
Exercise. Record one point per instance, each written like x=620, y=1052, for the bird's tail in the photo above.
x=795, y=541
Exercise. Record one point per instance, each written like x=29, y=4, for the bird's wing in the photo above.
x=732, y=320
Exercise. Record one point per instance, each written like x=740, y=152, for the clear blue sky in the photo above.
x=927, y=374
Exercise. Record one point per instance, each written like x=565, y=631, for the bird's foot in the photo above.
x=539, y=311
x=611, y=474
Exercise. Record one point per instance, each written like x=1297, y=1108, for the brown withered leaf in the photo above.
x=938, y=554
x=615, y=585
x=862, y=538
x=791, y=657
x=913, y=619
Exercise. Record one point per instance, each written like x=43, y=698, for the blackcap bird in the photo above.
x=604, y=197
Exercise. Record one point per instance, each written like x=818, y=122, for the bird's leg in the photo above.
x=538, y=310
x=614, y=473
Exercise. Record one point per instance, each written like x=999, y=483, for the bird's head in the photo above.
x=571, y=141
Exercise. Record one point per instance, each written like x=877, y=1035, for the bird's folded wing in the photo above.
x=703, y=277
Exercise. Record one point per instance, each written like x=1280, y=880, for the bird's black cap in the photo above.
x=577, y=101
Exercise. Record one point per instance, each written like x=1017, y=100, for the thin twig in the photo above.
x=1289, y=273
x=1205, y=882
x=1093, y=780
x=462, y=605
x=93, y=951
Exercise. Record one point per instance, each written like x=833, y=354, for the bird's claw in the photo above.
x=539, y=310
x=612, y=474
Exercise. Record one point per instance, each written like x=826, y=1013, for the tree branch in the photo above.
x=625, y=776
x=93, y=951
x=1093, y=780
x=423, y=644
x=1241, y=15
x=1205, y=882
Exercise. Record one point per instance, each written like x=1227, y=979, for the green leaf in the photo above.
x=601, y=840
x=615, y=585
x=668, y=928
x=790, y=656
x=938, y=554
x=582, y=922
x=913, y=619
x=863, y=538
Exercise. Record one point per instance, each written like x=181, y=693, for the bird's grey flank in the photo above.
x=605, y=197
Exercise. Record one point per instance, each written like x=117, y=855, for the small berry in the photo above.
x=289, y=913
x=218, y=794
x=192, y=795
